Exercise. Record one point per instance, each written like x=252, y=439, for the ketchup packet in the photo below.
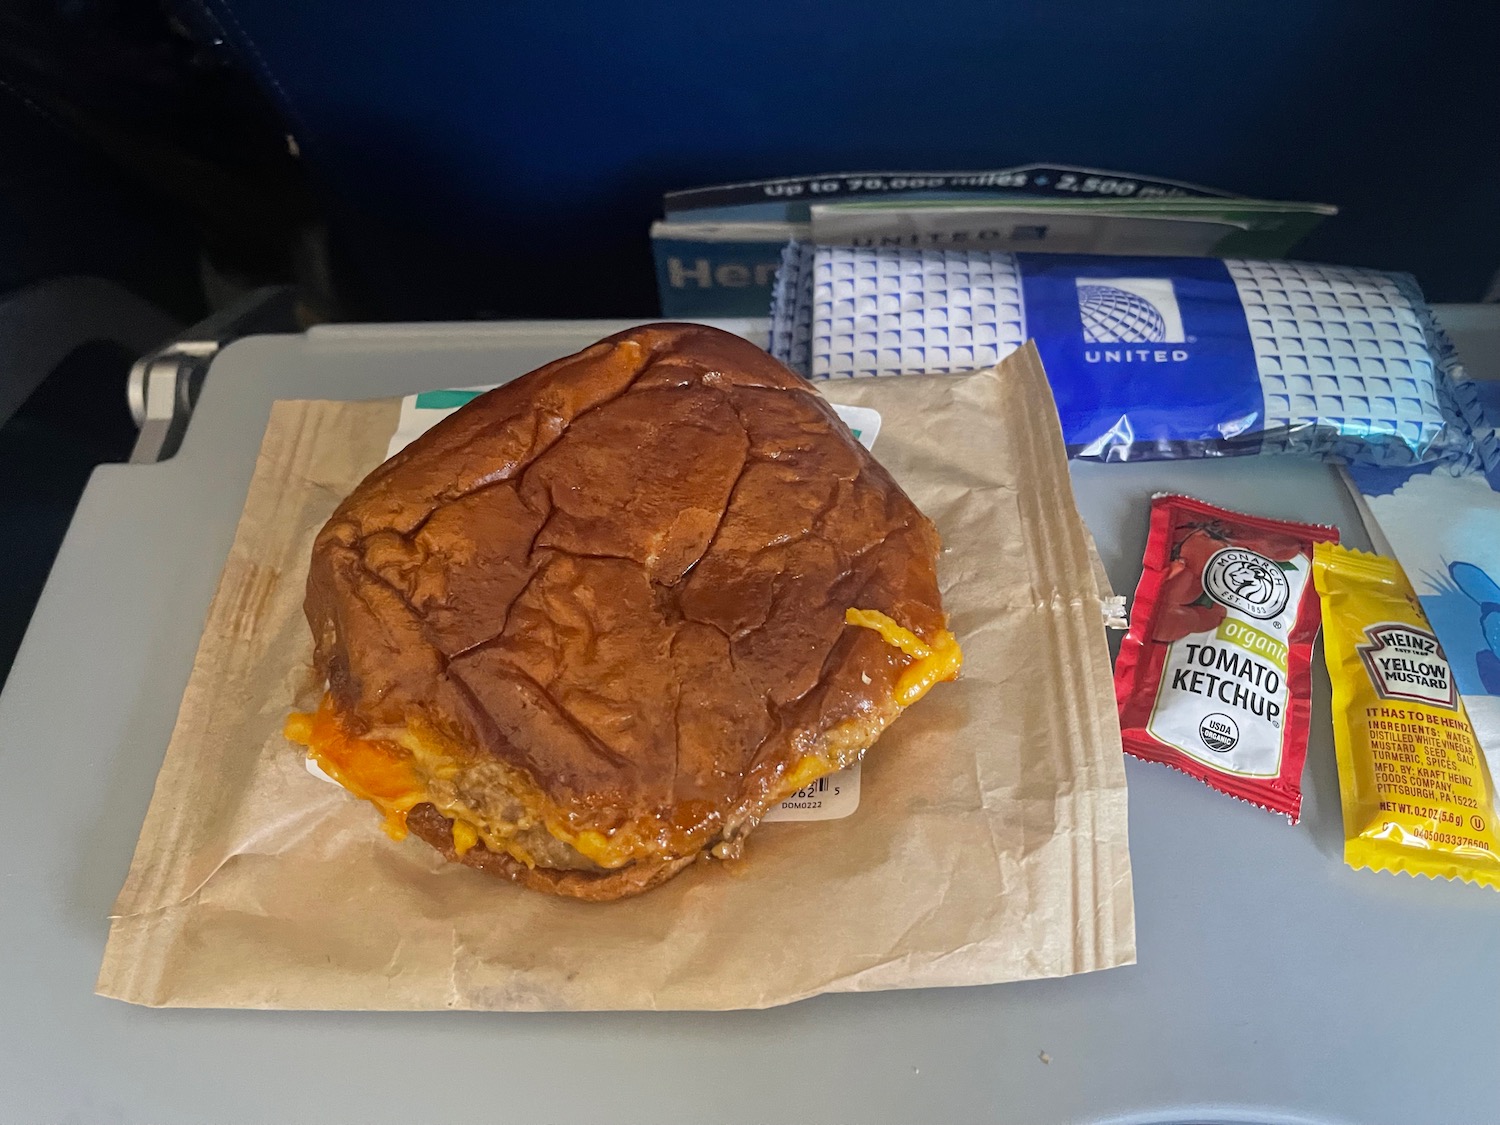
x=1213, y=677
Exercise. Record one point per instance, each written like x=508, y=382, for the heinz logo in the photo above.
x=1408, y=663
x=1129, y=310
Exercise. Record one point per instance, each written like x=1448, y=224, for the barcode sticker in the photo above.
x=828, y=798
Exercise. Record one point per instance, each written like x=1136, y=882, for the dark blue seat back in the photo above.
x=507, y=158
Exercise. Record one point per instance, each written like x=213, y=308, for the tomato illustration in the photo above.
x=1276, y=547
x=1182, y=583
x=1204, y=537
x=1198, y=547
x=1174, y=622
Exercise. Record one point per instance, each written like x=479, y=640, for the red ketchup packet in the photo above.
x=1212, y=678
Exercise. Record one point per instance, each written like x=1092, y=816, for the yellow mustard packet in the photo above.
x=1416, y=792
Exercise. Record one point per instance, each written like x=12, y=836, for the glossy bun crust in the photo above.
x=621, y=581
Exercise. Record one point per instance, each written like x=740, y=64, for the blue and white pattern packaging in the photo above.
x=1443, y=526
x=791, y=307
x=1148, y=357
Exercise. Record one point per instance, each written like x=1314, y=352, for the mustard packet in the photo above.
x=1416, y=792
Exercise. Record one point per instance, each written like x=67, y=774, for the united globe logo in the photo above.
x=1129, y=310
x=1113, y=316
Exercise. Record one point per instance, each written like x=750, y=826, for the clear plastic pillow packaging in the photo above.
x=1149, y=358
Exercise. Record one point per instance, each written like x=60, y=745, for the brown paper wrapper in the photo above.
x=989, y=844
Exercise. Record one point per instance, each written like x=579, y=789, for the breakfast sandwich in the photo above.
x=590, y=628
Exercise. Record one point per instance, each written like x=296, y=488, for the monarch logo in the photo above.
x=1248, y=582
x=1129, y=310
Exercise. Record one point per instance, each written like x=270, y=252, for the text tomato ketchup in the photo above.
x=1213, y=677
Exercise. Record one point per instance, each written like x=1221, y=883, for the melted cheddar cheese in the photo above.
x=931, y=663
x=465, y=836
x=393, y=774
x=381, y=772
x=805, y=772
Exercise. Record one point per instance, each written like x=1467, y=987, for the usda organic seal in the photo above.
x=1219, y=732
